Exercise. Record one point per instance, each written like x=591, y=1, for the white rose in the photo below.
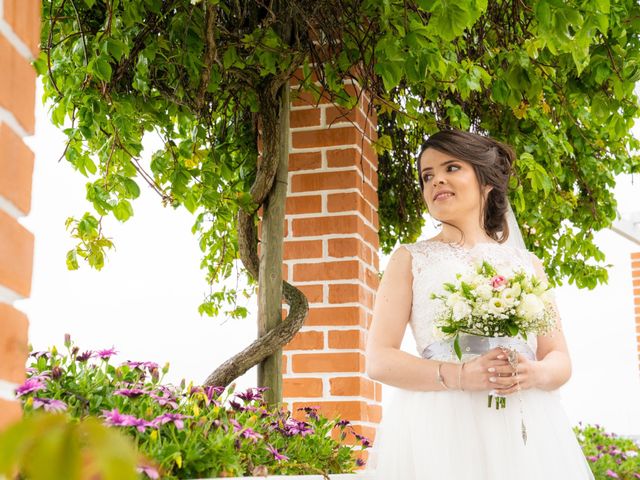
x=531, y=306
x=484, y=291
x=509, y=296
x=453, y=299
x=461, y=309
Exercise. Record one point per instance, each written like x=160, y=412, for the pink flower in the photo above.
x=49, y=404
x=116, y=419
x=612, y=474
x=129, y=392
x=498, y=280
x=148, y=471
x=175, y=418
x=30, y=385
x=105, y=354
x=277, y=455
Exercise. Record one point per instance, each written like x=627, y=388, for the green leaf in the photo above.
x=72, y=260
x=123, y=211
x=229, y=57
x=456, y=347
x=116, y=48
x=131, y=187
x=449, y=19
x=102, y=69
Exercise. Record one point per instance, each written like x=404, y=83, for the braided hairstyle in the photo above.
x=492, y=162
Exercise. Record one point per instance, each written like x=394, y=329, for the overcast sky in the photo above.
x=144, y=302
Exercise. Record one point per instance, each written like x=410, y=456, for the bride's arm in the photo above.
x=554, y=364
x=385, y=362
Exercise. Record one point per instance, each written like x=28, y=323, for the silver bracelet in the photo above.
x=440, y=378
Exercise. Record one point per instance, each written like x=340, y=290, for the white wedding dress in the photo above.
x=453, y=434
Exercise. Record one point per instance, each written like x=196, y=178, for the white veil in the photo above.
x=515, y=235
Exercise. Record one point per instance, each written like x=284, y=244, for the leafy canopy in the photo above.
x=553, y=78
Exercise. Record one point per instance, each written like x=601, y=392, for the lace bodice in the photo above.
x=434, y=263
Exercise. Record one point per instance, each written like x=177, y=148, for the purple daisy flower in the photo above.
x=39, y=354
x=175, y=418
x=140, y=365
x=250, y=434
x=610, y=473
x=295, y=427
x=49, y=404
x=165, y=398
x=83, y=357
x=359, y=462
x=276, y=455
x=251, y=394
x=236, y=426
x=33, y=384
x=105, y=354
x=116, y=419
x=365, y=441
x=311, y=411
x=129, y=392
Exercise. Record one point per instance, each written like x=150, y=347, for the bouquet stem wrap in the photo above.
x=475, y=345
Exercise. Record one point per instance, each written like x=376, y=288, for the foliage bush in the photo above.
x=188, y=431
x=609, y=455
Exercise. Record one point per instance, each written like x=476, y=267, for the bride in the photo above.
x=438, y=424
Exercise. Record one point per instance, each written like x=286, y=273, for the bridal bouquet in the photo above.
x=489, y=303
x=486, y=302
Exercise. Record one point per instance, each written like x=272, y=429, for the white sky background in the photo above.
x=144, y=302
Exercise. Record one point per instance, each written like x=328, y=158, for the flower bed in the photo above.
x=609, y=455
x=189, y=431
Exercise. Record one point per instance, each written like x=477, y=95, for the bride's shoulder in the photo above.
x=420, y=246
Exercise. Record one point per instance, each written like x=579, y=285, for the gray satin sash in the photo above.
x=475, y=345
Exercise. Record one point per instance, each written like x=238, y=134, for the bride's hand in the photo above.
x=479, y=372
x=505, y=383
x=476, y=374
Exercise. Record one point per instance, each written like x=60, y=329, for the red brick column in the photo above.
x=635, y=276
x=19, y=34
x=331, y=254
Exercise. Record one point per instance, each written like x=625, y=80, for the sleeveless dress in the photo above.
x=453, y=434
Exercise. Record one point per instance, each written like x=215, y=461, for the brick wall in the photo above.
x=635, y=275
x=331, y=254
x=19, y=33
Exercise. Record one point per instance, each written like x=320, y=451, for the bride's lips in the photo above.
x=436, y=196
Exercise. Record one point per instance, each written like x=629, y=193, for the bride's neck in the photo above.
x=472, y=236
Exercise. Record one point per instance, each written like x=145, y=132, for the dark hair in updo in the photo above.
x=492, y=162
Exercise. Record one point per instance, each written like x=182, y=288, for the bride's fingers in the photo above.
x=514, y=386
x=506, y=381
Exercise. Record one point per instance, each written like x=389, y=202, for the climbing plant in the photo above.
x=553, y=78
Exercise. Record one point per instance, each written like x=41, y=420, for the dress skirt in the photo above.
x=454, y=435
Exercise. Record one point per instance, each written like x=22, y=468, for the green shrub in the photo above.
x=188, y=431
x=609, y=455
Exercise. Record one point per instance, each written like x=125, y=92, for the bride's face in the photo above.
x=451, y=189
